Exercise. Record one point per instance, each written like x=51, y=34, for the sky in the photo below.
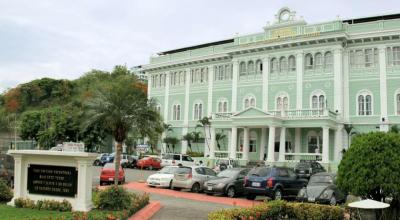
x=63, y=39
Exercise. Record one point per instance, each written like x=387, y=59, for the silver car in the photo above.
x=192, y=178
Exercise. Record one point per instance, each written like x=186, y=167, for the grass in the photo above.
x=12, y=213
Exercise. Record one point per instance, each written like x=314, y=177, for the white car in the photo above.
x=176, y=159
x=162, y=178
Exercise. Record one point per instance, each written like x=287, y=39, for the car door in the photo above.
x=295, y=183
x=283, y=178
x=210, y=174
x=200, y=176
x=240, y=180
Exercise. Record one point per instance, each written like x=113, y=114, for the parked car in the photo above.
x=98, y=160
x=192, y=178
x=107, y=174
x=7, y=169
x=149, y=163
x=274, y=182
x=222, y=164
x=305, y=169
x=177, y=159
x=132, y=162
x=162, y=178
x=125, y=160
x=228, y=182
x=322, y=189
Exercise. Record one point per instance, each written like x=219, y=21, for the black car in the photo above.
x=306, y=169
x=274, y=182
x=228, y=182
x=7, y=169
x=322, y=189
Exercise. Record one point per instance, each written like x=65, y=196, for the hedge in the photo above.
x=280, y=209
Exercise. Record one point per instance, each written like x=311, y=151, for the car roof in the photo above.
x=324, y=174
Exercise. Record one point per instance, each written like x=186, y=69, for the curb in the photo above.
x=147, y=212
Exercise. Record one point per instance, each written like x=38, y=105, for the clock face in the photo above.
x=284, y=16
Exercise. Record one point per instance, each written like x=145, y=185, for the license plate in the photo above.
x=209, y=188
x=256, y=184
x=110, y=179
x=311, y=199
x=301, y=171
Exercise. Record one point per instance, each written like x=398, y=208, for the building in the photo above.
x=141, y=75
x=286, y=93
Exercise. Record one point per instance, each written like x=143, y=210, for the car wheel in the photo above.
x=333, y=200
x=175, y=188
x=278, y=194
x=250, y=196
x=231, y=192
x=195, y=187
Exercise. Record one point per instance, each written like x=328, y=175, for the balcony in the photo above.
x=287, y=114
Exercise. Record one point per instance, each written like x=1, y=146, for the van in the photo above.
x=176, y=159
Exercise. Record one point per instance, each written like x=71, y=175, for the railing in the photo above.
x=296, y=157
x=221, y=154
x=291, y=114
x=239, y=155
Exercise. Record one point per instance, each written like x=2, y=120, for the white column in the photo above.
x=212, y=143
x=271, y=145
x=235, y=74
x=383, y=89
x=164, y=145
x=263, y=141
x=246, y=146
x=210, y=89
x=338, y=81
x=265, y=75
x=346, y=89
x=232, y=148
x=18, y=179
x=229, y=136
x=187, y=95
x=282, y=142
x=299, y=80
x=84, y=183
x=325, y=144
x=149, y=84
x=338, y=142
x=297, y=140
x=184, y=143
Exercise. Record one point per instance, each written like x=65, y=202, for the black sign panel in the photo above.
x=52, y=180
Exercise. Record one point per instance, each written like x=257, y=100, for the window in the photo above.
x=252, y=141
x=361, y=58
x=242, y=69
x=250, y=67
x=393, y=54
x=318, y=100
x=314, y=142
x=328, y=60
x=176, y=112
x=398, y=103
x=282, y=102
x=292, y=63
x=259, y=67
x=222, y=72
x=222, y=106
x=309, y=62
x=198, y=111
x=283, y=65
x=250, y=101
x=364, y=103
x=318, y=61
x=274, y=65
x=314, y=102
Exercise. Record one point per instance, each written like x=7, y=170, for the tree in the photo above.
x=219, y=137
x=205, y=123
x=173, y=141
x=196, y=138
x=188, y=138
x=122, y=107
x=371, y=167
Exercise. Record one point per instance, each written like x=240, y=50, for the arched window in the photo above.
x=198, y=111
x=398, y=103
x=250, y=67
x=176, y=112
x=274, y=65
x=242, y=69
x=222, y=106
x=318, y=100
x=282, y=102
x=279, y=103
x=364, y=103
x=314, y=104
x=318, y=61
x=283, y=65
x=259, y=67
x=328, y=60
x=309, y=61
x=249, y=101
x=292, y=63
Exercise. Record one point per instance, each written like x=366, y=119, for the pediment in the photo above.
x=251, y=112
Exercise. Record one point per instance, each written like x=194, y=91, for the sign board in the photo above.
x=52, y=180
x=142, y=148
x=73, y=146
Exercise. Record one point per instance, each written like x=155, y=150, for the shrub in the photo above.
x=24, y=203
x=51, y=205
x=281, y=210
x=195, y=154
x=113, y=198
x=138, y=202
x=5, y=192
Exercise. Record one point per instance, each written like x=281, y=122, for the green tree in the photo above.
x=196, y=138
x=188, y=138
x=371, y=167
x=206, y=124
x=173, y=141
x=123, y=107
x=218, y=138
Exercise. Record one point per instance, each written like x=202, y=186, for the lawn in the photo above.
x=8, y=212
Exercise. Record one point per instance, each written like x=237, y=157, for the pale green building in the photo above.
x=283, y=94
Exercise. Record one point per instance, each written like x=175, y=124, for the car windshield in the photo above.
x=168, y=170
x=321, y=179
x=260, y=171
x=228, y=173
x=168, y=156
x=109, y=165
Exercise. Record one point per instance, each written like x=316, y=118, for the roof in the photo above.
x=373, y=18
x=197, y=46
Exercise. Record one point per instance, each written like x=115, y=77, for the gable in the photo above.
x=251, y=112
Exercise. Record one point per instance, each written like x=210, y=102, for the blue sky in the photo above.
x=66, y=38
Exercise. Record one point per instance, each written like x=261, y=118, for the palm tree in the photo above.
x=173, y=142
x=188, y=138
x=196, y=138
x=219, y=137
x=205, y=123
x=122, y=107
x=349, y=130
x=167, y=141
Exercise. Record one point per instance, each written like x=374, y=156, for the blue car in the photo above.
x=274, y=182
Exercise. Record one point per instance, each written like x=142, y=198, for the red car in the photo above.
x=149, y=163
x=108, y=172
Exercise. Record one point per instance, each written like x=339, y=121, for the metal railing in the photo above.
x=296, y=157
